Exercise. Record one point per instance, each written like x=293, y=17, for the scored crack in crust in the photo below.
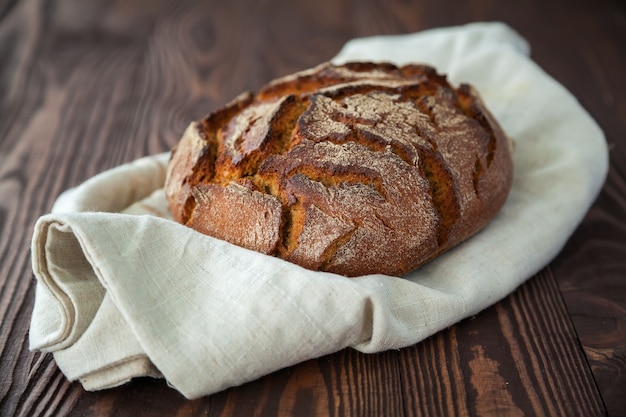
x=354, y=169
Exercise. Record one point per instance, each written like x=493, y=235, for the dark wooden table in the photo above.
x=86, y=86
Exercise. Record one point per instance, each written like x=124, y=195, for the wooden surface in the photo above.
x=86, y=86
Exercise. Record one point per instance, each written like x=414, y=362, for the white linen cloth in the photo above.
x=123, y=291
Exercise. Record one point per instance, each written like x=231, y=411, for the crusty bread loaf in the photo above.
x=355, y=169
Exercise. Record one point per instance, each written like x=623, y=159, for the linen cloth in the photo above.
x=123, y=291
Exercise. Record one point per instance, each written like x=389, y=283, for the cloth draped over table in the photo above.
x=123, y=291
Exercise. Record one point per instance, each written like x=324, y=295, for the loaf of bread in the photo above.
x=354, y=169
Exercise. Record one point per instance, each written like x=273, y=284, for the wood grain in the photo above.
x=492, y=365
x=85, y=86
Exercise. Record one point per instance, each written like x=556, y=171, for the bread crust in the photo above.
x=353, y=169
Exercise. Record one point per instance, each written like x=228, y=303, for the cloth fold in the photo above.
x=123, y=291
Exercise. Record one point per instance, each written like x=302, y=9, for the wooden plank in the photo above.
x=595, y=292
x=87, y=86
x=520, y=357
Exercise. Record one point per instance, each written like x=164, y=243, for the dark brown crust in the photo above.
x=354, y=169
